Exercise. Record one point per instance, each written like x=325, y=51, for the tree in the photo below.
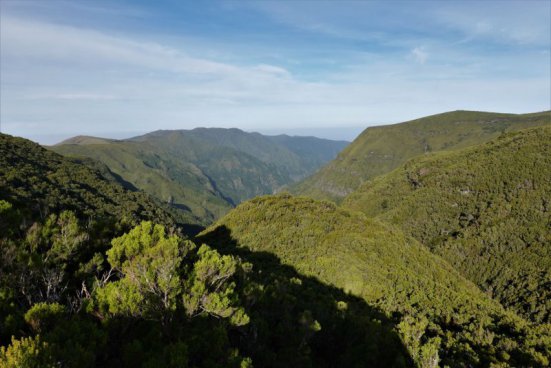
x=208, y=290
x=29, y=352
x=157, y=275
x=147, y=262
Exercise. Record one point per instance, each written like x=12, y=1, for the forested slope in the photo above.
x=410, y=271
x=486, y=210
x=40, y=182
x=441, y=317
x=174, y=181
x=380, y=149
x=205, y=172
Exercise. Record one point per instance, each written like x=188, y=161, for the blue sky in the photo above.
x=328, y=68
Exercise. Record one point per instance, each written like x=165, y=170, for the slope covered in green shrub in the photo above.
x=205, y=172
x=486, y=210
x=442, y=317
x=380, y=149
x=38, y=182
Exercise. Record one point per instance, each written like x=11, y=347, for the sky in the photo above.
x=119, y=68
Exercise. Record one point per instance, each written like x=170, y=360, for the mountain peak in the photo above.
x=86, y=140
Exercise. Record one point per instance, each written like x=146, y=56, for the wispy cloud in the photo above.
x=51, y=42
x=74, y=96
x=56, y=76
x=525, y=23
x=419, y=55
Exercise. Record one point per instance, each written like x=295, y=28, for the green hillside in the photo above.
x=279, y=281
x=39, y=182
x=486, y=210
x=205, y=172
x=379, y=150
x=166, y=178
x=442, y=318
x=314, y=152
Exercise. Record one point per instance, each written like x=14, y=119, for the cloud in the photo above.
x=271, y=69
x=100, y=62
x=419, y=55
x=524, y=23
x=75, y=96
x=47, y=41
x=62, y=78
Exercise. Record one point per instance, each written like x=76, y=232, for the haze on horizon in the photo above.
x=121, y=68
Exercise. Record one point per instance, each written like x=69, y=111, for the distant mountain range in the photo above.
x=380, y=149
x=205, y=172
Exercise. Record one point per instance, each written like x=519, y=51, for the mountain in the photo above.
x=485, y=209
x=205, y=172
x=38, y=182
x=168, y=179
x=381, y=149
x=442, y=318
x=86, y=139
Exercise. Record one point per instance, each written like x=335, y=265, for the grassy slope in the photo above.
x=38, y=182
x=162, y=177
x=381, y=149
x=390, y=271
x=205, y=171
x=240, y=165
x=485, y=209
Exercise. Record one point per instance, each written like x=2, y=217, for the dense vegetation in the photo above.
x=486, y=210
x=379, y=150
x=39, y=182
x=205, y=172
x=442, y=262
x=441, y=317
x=150, y=299
x=96, y=287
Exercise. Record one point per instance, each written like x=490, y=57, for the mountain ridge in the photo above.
x=206, y=171
x=485, y=209
x=380, y=149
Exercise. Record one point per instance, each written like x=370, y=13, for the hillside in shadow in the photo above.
x=441, y=317
x=299, y=321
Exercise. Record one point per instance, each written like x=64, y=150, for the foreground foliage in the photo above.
x=135, y=305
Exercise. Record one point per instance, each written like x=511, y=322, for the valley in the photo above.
x=206, y=172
